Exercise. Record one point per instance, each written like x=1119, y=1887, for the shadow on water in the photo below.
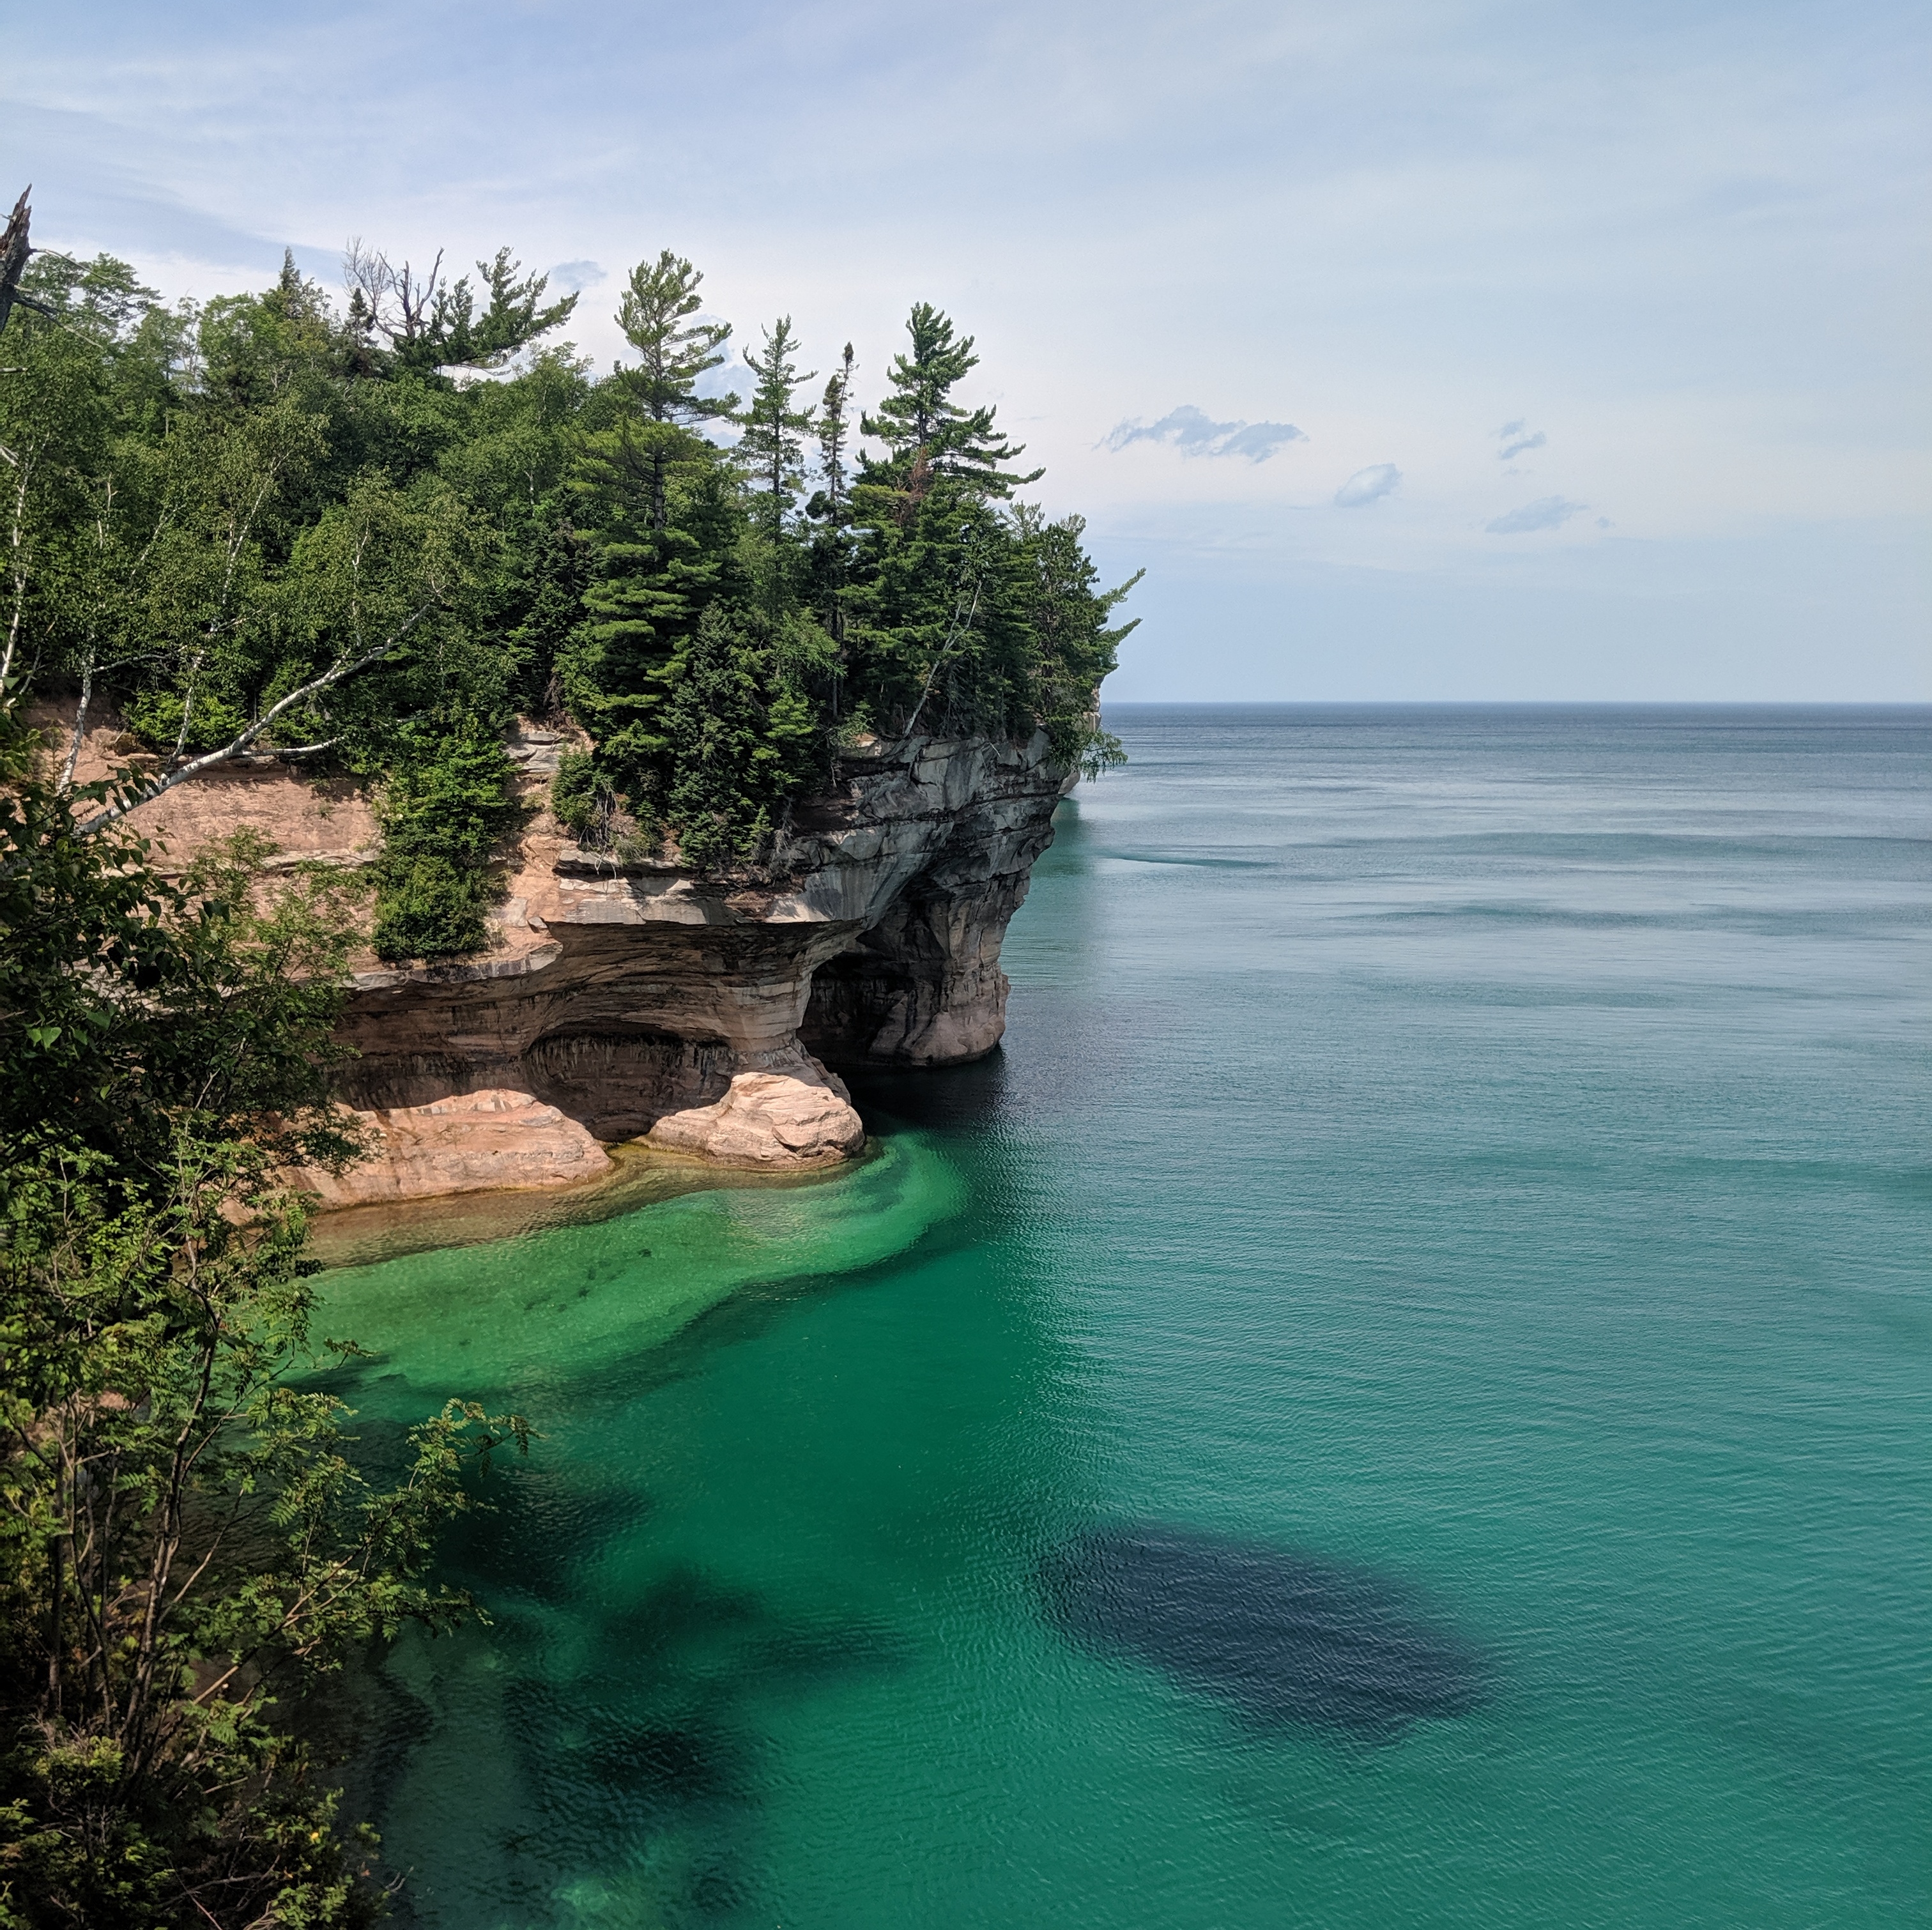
x=1283, y=1636
x=631, y=1754
x=937, y=1099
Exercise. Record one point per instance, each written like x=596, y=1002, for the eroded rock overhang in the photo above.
x=708, y=1015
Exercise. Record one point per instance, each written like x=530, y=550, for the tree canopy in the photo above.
x=365, y=536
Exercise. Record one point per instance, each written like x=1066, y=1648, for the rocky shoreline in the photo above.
x=705, y=1016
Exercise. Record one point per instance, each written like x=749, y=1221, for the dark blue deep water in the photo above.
x=1402, y=1396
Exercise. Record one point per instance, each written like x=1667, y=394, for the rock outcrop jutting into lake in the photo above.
x=627, y=1000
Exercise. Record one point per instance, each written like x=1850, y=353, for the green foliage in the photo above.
x=267, y=520
x=446, y=806
x=430, y=323
x=919, y=419
x=584, y=800
x=674, y=352
x=188, y=1543
x=128, y=1000
x=771, y=446
x=747, y=737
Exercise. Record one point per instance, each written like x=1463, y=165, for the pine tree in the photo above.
x=653, y=580
x=673, y=353
x=771, y=446
x=653, y=490
x=831, y=508
x=835, y=428
x=920, y=423
x=745, y=740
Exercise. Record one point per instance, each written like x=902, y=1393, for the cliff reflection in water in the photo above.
x=1281, y=1635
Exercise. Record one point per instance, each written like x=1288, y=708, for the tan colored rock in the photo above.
x=625, y=999
x=793, y=1114
x=463, y=1144
x=328, y=822
x=627, y=993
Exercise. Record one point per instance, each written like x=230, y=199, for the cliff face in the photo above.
x=621, y=1001
x=633, y=1000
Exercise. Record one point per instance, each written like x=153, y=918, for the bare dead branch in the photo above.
x=343, y=667
x=14, y=253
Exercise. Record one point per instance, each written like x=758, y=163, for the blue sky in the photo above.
x=1419, y=349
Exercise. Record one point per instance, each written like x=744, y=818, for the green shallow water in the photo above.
x=1481, y=1155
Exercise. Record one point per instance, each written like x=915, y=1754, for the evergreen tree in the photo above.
x=673, y=351
x=430, y=323
x=834, y=429
x=920, y=422
x=651, y=489
x=745, y=736
x=653, y=580
x=772, y=447
x=830, y=509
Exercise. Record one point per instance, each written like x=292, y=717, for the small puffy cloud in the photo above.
x=1194, y=432
x=1516, y=441
x=568, y=277
x=1367, y=485
x=1547, y=512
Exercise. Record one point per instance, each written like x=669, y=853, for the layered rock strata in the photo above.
x=640, y=999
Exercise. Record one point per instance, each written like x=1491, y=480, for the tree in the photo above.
x=746, y=738
x=771, y=446
x=445, y=808
x=430, y=323
x=920, y=420
x=185, y=1537
x=829, y=559
x=15, y=248
x=662, y=560
x=834, y=428
x=268, y=525
x=674, y=353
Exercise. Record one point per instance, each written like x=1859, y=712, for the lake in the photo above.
x=1402, y=1396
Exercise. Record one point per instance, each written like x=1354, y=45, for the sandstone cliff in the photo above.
x=622, y=1000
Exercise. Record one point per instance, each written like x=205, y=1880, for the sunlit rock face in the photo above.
x=619, y=1002
x=794, y=1113
x=644, y=1000
x=464, y=1143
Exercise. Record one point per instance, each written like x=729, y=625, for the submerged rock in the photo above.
x=1283, y=1636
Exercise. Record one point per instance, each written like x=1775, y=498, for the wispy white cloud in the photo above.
x=1517, y=440
x=1547, y=512
x=1367, y=485
x=1194, y=432
x=569, y=277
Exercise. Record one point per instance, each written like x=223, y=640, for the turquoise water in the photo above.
x=1403, y=1396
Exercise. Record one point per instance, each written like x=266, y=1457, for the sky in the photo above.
x=1421, y=349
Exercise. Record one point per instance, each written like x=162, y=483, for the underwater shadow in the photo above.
x=1282, y=1636
x=934, y=1099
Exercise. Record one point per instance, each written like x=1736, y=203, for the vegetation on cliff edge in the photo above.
x=307, y=524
